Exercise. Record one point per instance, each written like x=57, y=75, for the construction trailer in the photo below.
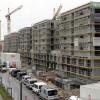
x=10, y=60
x=90, y=91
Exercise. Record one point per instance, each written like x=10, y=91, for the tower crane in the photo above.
x=9, y=19
x=57, y=12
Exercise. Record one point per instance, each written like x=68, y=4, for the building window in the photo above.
x=97, y=53
x=64, y=48
x=81, y=12
x=43, y=47
x=81, y=36
x=88, y=63
x=52, y=32
x=52, y=24
x=73, y=61
x=81, y=62
x=68, y=68
x=88, y=72
x=63, y=59
x=68, y=60
x=36, y=48
x=97, y=28
x=43, y=40
x=65, y=38
x=97, y=47
x=97, y=10
x=64, y=18
x=97, y=35
x=81, y=47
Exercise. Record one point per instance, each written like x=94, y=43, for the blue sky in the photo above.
x=33, y=11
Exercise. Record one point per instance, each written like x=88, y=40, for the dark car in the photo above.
x=14, y=72
x=20, y=74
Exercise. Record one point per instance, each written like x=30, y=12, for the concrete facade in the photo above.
x=6, y=43
x=1, y=46
x=10, y=42
x=44, y=41
x=70, y=45
x=79, y=31
x=24, y=44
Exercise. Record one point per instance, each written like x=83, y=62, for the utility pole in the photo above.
x=0, y=30
x=0, y=80
x=20, y=90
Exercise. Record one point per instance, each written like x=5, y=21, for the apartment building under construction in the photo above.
x=79, y=31
x=10, y=42
x=6, y=43
x=44, y=41
x=24, y=44
x=70, y=45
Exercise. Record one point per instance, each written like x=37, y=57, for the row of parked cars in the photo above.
x=45, y=91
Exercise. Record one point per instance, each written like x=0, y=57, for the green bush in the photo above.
x=4, y=94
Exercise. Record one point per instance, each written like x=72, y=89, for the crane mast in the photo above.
x=9, y=19
x=57, y=12
x=8, y=22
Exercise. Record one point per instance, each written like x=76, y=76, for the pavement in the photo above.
x=1, y=98
x=14, y=84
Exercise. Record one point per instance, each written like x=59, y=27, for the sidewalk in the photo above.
x=1, y=98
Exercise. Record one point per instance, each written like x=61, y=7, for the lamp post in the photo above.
x=0, y=80
x=20, y=90
x=0, y=30
x=9, y=88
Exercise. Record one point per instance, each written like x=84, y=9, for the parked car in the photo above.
x=11, y=69
x=4, y=69
x=20, y=74
x=14, y=72
x=37, y=85
x=74, y=98
x=25, y=77
x=48, y=92
x=1, y=67
x=30, y=82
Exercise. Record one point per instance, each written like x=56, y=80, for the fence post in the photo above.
x=0, y=80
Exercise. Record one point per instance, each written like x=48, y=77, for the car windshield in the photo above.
x=27, y=78
x=17, y=71
x=52, y=92
x=32, y=82
x=22, y=74
x=35, y=86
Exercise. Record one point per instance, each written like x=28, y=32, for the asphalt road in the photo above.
x=13, y=83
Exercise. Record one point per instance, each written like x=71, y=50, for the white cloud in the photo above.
x=33, y=11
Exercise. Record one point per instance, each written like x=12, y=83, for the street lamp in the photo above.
x=20, y=90
x=9, y=88
x=0, y=80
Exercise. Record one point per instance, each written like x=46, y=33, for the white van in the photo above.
x=48, y=92
x=74, y=98
x=37, y=85
x=30, y=82
x=24, y=78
